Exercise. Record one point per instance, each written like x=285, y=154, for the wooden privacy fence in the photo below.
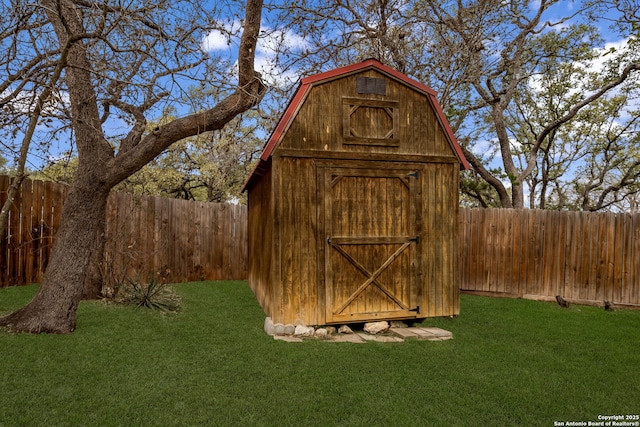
x=33, y=221
x=177, y=239
x=585, y=257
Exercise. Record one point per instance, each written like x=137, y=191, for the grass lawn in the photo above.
x=511, y=362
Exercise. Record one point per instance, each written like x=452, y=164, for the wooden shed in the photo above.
x=353, y=205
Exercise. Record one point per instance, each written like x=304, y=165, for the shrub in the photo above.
x=152, y=294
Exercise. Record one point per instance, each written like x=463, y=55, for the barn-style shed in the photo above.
x=353, y=204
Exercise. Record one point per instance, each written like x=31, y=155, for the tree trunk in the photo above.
x=94, y=281
x=517, y=195
x=53, y=309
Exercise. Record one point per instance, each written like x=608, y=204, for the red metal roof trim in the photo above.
x=308, y=82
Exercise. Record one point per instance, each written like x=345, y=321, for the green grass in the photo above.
x=511, y=362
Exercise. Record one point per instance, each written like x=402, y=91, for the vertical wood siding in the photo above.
x=262, y=244
x=585, y=257
x=296, y=253
x=177, y=239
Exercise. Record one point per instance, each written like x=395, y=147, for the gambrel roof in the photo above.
x=309, y=82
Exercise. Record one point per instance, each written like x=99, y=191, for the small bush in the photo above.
x=153, y=295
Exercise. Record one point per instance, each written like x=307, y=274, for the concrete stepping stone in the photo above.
x=432, y=334
x=379, y=338
x=404, y=332
x=353, y=338
x=438, y=332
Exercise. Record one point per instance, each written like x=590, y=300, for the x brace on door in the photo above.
x=371, y=277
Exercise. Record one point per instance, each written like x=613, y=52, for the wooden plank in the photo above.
x=307, y=259
x=400, y=159
x=24, y=265
x=4, y=247
x=489, y=248
x=516, y=243
x=261, y=242
x=536, y=229
x=476, y=224
x=549, y=252
x=455, y=203
x=604, y=281
x=624, y=259
x=583, y=256
x=46, y=227
x=560, y=223
x=427, y=250
x=147, y=246
x=321, y=236
x=463, y=246
x=617, y=257
x=441, y=186
x=231, y=259
x=14, y=242
x=524, y=252
x=295, y=232
x=136, y=234
x=328, y=215
x=481, y=250
x=209, y=244
x=590, y=257
x=13, y=232
x=217, y=241
x=285, y=187
x=504, y=256
x=634, y=290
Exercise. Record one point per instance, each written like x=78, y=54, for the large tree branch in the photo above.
x=477, y=165
x=635, y=66
x=163, y=136
x=248, y=42
x=249, y=92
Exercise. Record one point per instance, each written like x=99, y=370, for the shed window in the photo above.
x=370, y=122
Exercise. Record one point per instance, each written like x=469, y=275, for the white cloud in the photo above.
x=24, y=102
x=611, y=48
x=222, y=39
x=215, y=41
x=270, y=43
x=273, y=41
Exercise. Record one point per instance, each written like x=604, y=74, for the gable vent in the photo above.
x=371, y=85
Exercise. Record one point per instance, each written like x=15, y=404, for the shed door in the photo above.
x=372, y=237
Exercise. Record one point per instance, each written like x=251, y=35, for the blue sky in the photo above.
x=220, y=44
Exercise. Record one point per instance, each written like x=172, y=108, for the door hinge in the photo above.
x=416, y=309
x=413, y=174
x=415, y=239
